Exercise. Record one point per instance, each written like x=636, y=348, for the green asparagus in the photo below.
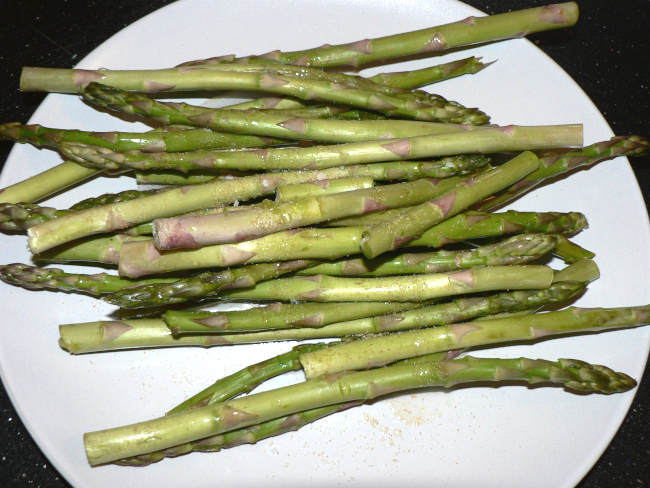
x=554, y=164
x=413, y=221
x=518, y=249
x=154, y=435
x=196, y=231
x=376, y=351
x=125, y=334
x=277, y=316
x=177, y=201
x=142, y=258
x=484, y=140
x=326, y=187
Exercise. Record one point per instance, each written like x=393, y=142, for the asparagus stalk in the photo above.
x=570, y=252
x=293, y=124
x=196, y=231
x=411, y=317
x=245, y=380
x=403, y=79
x=44, y=184
x=288, y=193
x=237, y=437
x=376, y=351
x=302, y=83
x=108, y=198
x=413, y=221
x=323, y=288
x=35, y=278
x=154, y=435
x=407, y=80
x=276, y=316
x=402, y=170
x=202, y=285
x=212, y=194
x=431, y=74
x=151, y=141
x=173, y=178
x=554, y=164
x=104, y=250
x=21, y=216
x=518, y=249
x=129, y=293
x=125, y=334
x=431, y=40
x=142, y=258
x=299, y=82
x=485, y=140
x=103, y=336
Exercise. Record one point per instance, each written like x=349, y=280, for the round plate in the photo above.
x=509, y=436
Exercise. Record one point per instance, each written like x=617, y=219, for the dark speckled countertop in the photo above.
x=614, y=73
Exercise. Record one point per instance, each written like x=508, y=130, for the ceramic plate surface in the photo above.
x=509, y=436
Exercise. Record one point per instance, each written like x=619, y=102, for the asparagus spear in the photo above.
x=115, y=335
x=201, y=285
x=485, y=140
x=518, y=249
x=327, y=323
x=152, y=141
x=554, y=164
x=431, y=74
x=376, y=351
x=570, y=252
x=103, y=336
x=108, y=198
x=237, y=437
x=403, y=79
x=325, y=187
x=22, y=216
x=299, y=82
x=407, y=80
x=186, y=199
x=173, y=178
x=252, y=434
x=117, y=443
x=276, y=316
x=245, y=380
x=427, y=316
x=142, y=258
x=434, y=40
x=129, y=293
x=323, y=288
x=196, y=231
x=413, y=221
x=293, y=124
x=98, y=250
x=46, y=183
x=35, y=278
x=145, y=293
x=302, y=83
x=402, y=170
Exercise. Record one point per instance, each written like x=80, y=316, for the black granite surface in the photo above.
x=606, y=53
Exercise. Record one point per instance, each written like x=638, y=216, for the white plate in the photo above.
x=511, y=436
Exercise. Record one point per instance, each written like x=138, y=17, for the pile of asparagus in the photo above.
x=382, y=231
